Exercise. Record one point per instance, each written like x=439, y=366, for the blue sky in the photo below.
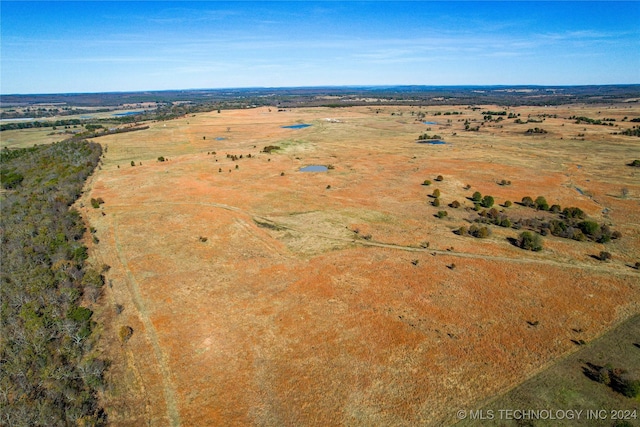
x=87, y=46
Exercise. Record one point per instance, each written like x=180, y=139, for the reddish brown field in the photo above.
x=254, y=302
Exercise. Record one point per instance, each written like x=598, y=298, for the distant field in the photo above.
x=262, y=295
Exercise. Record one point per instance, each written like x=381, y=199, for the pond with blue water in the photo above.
x=129, y=113
x=314, y=168
x=430, y=123
x=300, y=126
x=432, y=141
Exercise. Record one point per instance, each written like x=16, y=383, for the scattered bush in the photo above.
x=555, y=209
x=635, y=163
x=133, y=163
x=441, y=214
x=504, y=182
x=604, y=256
x=479, y=232
x=270, y=148
x=487, y=201
x=530, y=241
x=439, y=178
x=462, y=231
x=436, y=193
x=573, y=213
x=535, y=131
x=125, y=333
x=477, y=196
x=94, y=203
x=455, y=204
x=507, y=204
x=528, y=202
x=436, y=202
x=426, y=182
x=161, y=159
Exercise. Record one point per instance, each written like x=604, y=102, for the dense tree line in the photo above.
x=49, y=375
x=39, y=124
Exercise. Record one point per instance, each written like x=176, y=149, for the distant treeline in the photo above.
x=104, y=132
x=49, y=373
x=39, y=124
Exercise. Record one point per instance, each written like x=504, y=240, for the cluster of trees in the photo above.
x=571, y=224
x=486, y=201
x=535, y=131
x=49, y=374
x=581, y=119
x=620, y=380
x=634, y=131
x=426, y=137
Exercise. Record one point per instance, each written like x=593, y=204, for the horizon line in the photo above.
x=360, y=86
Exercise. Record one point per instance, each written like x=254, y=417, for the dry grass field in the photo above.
x=253, y=301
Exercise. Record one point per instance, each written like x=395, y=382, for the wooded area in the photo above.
x=48, y=374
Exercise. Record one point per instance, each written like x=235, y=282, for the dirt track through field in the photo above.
x=604, y=268
x=150, y=331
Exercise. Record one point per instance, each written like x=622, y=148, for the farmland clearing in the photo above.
x=261, y=295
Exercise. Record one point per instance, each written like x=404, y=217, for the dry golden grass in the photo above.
x=285, y=316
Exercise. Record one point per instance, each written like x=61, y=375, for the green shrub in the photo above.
x=426, y=182
x=94, y=203
x=555, y=209
x=528, y=202
x=436, y=202
x=133, y=163
x=455, y=204
x=462, y=231
x=590, y=228
x=439, y=178
x=479, y=232
x=530, y=241
x=442, y=214
x=487, y=201
x=541, y=204
x=573, y=213
x=477, y=196
x=436, y=193
x=161, y=159
x=507, y=204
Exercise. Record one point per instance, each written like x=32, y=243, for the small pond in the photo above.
x=314, y=168
x=432, y=141
x=430, y=123
x=130, y=113
x=300, y=126
x=219, y=138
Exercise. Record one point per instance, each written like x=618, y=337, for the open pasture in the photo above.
x=262, y=295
